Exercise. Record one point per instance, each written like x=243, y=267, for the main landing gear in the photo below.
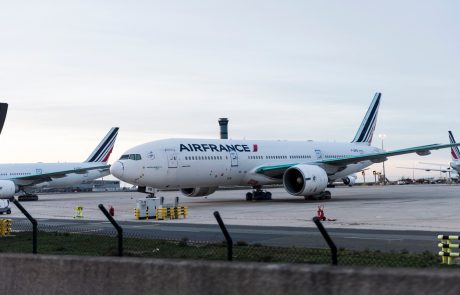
x=326, y=195
x=258, y=194
x=28, y=197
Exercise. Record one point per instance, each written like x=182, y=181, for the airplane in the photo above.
x=455, y=153
x=25, y=178
x=3, y=112
x=454, y=164
x=197, y=167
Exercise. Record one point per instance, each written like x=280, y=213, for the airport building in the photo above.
x=93, y=186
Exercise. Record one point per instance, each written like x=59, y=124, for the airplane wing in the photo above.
x=38, y=178
x=427, y=169
x=276, y=171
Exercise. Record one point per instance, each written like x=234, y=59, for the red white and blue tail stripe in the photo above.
x=454, y=150
x=104, y=149
x=366, y=130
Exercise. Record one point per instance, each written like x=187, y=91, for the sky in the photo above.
x=291, y=70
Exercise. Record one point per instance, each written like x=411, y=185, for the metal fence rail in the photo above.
x=103, y=239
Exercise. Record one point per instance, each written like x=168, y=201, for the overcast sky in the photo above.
x=291, y=70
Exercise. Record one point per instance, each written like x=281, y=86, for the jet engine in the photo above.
x=350, y=180
x=7, y=189
x=198, y=191
x=305, y=180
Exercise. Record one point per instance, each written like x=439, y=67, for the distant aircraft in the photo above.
x=455, y=152
x=3, y=112
x=454, y=164
x=25, y=178
x=198, y=167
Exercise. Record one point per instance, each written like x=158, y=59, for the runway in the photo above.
x=385, y=218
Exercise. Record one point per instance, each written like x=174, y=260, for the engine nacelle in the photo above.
x=7, y=189
x=305, y=180
x=350, y=180
x=198, y=191
x=424, y=153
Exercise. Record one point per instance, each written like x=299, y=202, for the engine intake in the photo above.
x=305, y=180
x=198, y=191
x=349, y=180
x=7, y=189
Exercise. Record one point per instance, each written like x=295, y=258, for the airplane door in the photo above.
x=234, y=159
x=319, y=154
x=171, y=155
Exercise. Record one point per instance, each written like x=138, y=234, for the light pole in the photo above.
x=382, y=137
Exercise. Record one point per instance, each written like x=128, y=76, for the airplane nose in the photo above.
x=117, y=169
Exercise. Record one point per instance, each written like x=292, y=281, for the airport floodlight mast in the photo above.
x=382, y=137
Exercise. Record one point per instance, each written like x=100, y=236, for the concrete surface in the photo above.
x=26, y=274
x=405, y=207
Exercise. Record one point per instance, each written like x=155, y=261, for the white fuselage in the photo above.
x=186, y=163
x=16, y=172
x=455, y=164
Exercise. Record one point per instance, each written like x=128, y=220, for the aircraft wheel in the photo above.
x=249, y=196
x=260, y=196
x=9, y=211
x=268, y=195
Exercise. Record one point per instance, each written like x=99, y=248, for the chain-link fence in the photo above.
x=95, y=238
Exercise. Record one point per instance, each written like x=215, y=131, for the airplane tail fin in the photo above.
x=366, y=130
x=454, y=150
x=3, y=112
x=105, y=147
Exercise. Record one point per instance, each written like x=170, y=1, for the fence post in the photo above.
x=227, y=236
x=328, y=239
x=34, y=225
x=117, y=227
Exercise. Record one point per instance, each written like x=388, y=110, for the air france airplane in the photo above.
x=3, y=112
x=198, y=167
x=25, y=178
x=454, y=164
x=455, y=153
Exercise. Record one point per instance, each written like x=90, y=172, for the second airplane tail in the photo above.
x=454, y=150
x=367, y=127
x=105, y=147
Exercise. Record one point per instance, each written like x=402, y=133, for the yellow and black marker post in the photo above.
x=446, y=246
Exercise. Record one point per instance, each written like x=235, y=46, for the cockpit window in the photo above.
x=135, y=157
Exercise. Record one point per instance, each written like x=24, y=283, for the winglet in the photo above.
x=105, y=147
x=455, y=152
x=366, y=130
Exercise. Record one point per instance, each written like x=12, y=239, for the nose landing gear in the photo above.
x=258, y=194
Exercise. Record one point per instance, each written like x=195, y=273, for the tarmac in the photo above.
x=397, y=207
